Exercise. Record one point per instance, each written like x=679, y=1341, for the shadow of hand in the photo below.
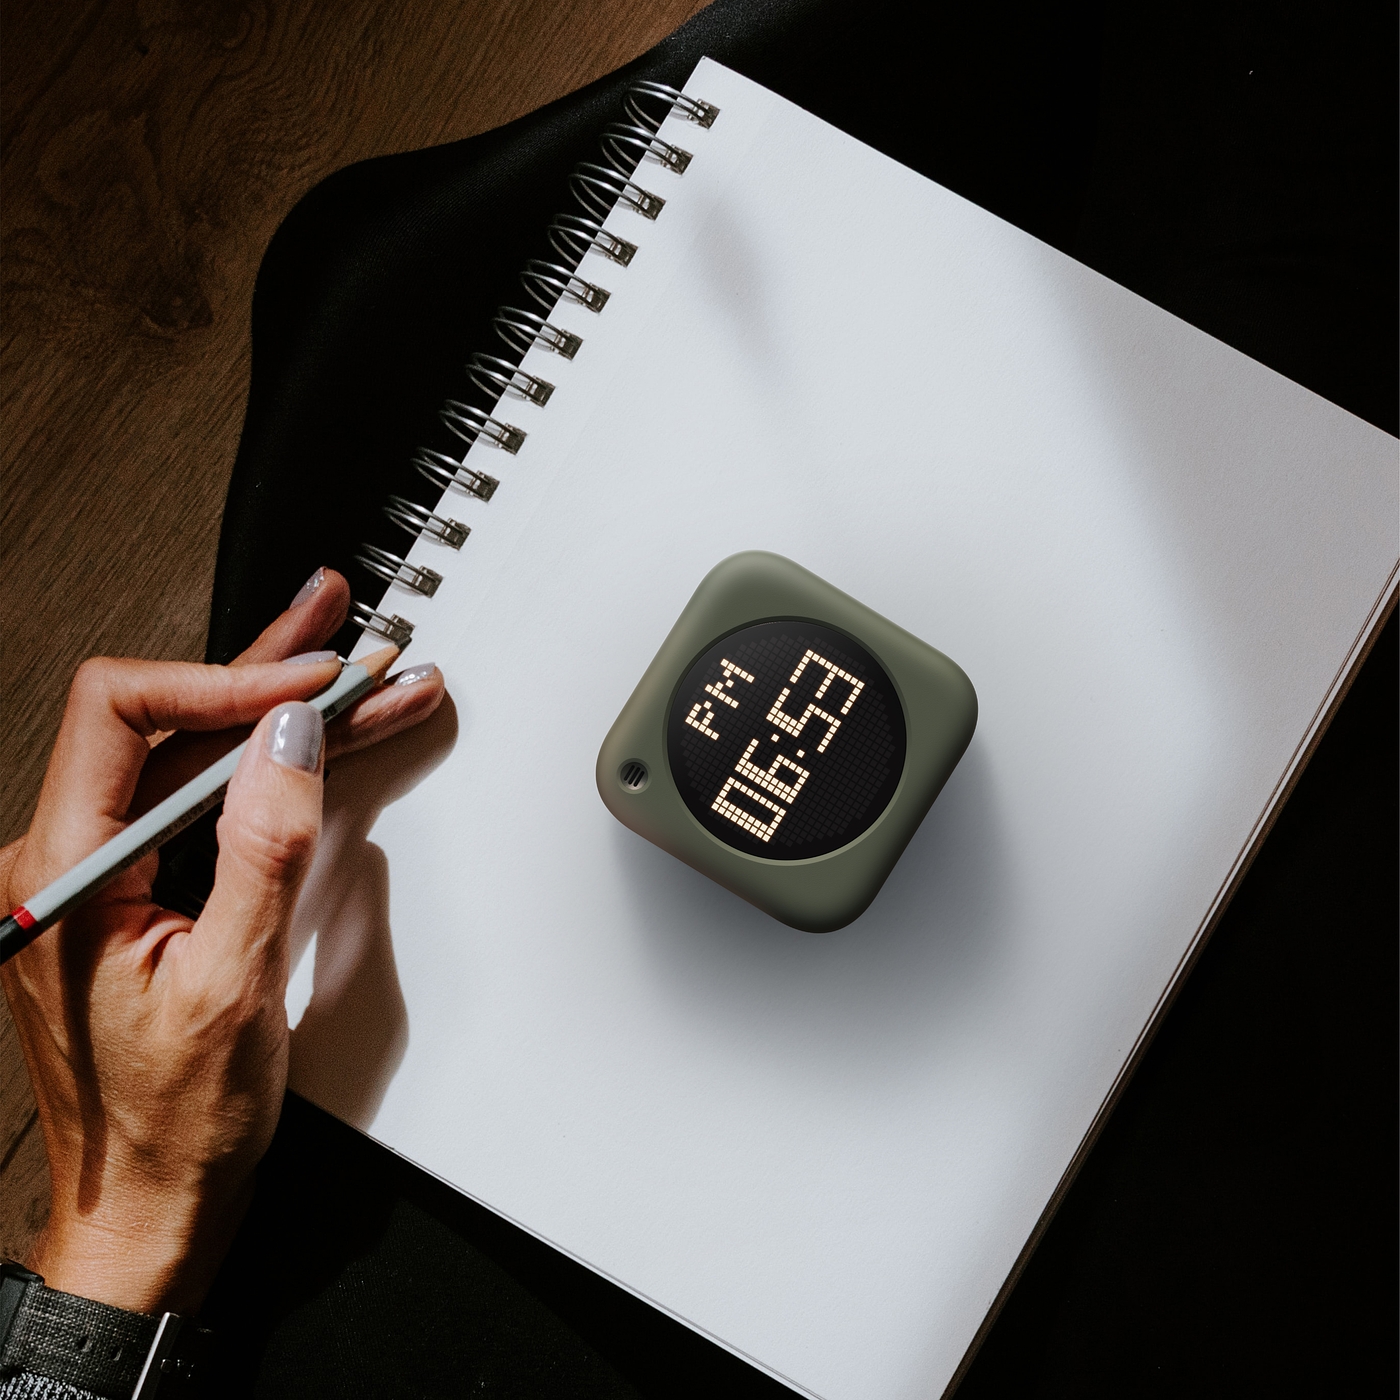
x=352, y=1036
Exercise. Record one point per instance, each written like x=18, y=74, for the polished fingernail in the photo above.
x=309, y=658
x=418, y=673
x=294, y=740
x=310, y=587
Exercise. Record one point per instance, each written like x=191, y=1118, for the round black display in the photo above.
x=786, y=740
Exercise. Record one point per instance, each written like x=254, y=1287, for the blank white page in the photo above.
x=1155, y=559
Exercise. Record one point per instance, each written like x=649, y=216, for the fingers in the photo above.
x=312, y=618
x=142, y=697
x=403, y=701
x=267, y=837
x=112, y=707
x=104, y=770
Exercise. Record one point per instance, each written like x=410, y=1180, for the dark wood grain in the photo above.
x=148, y=149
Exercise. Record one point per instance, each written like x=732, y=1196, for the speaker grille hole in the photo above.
x=633, y=775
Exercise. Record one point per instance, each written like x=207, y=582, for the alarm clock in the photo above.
x=786, y=741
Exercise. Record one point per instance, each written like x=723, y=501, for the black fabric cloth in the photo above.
x=1232, y=1232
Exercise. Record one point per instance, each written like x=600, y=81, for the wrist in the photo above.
x=148, y=1257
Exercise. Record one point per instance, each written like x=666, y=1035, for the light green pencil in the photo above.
x=166, y=818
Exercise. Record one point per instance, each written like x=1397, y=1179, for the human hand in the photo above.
x=157, y=1045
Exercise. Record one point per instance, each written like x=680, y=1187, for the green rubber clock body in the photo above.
x=824, y=892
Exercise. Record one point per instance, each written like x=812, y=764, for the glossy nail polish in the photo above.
x=308, y=658
x=309, y=588
x=294, y=740
x=418, y=673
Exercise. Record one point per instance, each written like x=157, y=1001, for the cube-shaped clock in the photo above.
x=786, y=741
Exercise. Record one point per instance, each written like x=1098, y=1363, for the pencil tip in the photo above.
x=378, y=663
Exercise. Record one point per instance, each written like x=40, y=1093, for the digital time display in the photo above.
x=786, y=740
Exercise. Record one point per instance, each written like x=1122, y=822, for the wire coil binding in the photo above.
x=599, y=189
x=621, y=137
x=703, y=114
x=471, y=423
x=572, y=236
x=522, y=329
x=447, y=472
x=490, y=374
x=540, y=278
x=390, y=626
x=419, y=520
x=394, y=569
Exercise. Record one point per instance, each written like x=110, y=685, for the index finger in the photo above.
x=311, y=619
x=112, y=707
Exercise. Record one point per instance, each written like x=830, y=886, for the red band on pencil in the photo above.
x=23, y=917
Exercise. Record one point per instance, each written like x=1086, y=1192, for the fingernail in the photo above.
x=294, y=740
x=309, y=658
x=418, y=673
x=310, y=587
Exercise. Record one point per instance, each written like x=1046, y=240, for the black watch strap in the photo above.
x=94, y=1346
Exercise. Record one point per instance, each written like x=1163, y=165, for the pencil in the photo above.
x=166, y=818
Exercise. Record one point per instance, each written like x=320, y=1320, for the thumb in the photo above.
x=267, y=835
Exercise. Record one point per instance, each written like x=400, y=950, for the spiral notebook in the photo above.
x=1157, y=560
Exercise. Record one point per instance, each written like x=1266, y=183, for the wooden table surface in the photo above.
x=148, y=149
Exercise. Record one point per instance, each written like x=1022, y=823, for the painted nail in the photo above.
x=309, y=588
x=294, y=740
x=309, y=658
x=418, y=673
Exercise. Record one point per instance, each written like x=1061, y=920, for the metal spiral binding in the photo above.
x=541, y=278
x=394, y=569
x=691, y=108
x=522, y=329
x=621, y=137
x=419, y=520
x=572, y=236
x=599, y=187
x=490, y=372
x=626, y=146
x=471, y=423
x=447, y=472
x=393, y=628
